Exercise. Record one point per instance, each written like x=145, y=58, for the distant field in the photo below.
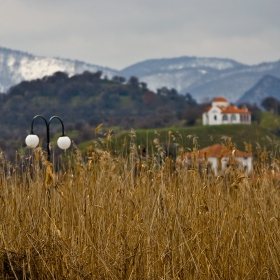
x=204, y=135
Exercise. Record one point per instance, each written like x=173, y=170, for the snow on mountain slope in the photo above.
x=173, y=79
x=203, y=78
x=151, y=66
x=231, y=83
x=181, y=73
x=16, y=66
x=268, y=86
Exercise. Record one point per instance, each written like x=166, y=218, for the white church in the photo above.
x=221, y=112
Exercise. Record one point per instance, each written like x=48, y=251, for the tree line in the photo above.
x=85, y=100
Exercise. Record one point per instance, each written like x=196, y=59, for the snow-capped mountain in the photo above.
x=179, y=73
x=204, y=78
x=233, y=83
x=16, y=66
x=153, y=66
x=268, y=86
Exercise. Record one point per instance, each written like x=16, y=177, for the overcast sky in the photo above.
x=118, y=33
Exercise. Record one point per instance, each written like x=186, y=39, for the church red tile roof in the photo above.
x=219, y=99
x=229, y=109
x=234, y=109
x=218, y=150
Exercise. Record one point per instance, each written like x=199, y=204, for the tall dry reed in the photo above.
x=134, y=217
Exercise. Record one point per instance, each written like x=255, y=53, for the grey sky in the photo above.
x=118, y=33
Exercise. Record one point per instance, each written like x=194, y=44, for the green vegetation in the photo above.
x=84, y=101
x=186, y=137
x=270, y=121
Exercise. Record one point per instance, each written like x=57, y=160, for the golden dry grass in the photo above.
x=110, y=217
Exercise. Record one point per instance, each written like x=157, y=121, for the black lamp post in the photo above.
x=32, y=140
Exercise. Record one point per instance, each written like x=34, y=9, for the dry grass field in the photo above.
x=107, y=216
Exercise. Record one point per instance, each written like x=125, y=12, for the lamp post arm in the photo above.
x=38, y=116
x=62, y=125
x=47, y=123
x=48, y=132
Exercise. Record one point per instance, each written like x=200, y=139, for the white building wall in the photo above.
x=227, y=120
x=214, y=163
x=235, y=118
x=205, y=119
x=214, y=116
x=244, y=162
x=224, y=163
x=247, y=162
x=220, y=104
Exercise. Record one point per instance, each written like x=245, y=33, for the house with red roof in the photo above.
x=221, y=112
x=220, y=157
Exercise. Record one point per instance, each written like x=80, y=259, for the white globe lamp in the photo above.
x=64, y=142
x=32, y=141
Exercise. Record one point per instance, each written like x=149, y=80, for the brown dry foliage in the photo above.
x=102, y=218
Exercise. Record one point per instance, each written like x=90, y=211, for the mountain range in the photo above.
x=268, y=86
x=203, y=78
x=17, y=66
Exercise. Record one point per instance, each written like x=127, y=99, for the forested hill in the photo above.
x=87, y=100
